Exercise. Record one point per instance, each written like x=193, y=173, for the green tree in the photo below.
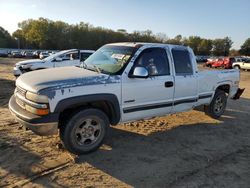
x=47, y=34
x=176, y=40
x=245, y=48
x=6, y=41
x=234, y=52
x=205, y=47
x=221, y=47
x=193, y=42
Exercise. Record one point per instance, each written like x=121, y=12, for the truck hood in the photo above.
x=61, y=78
x=30, y=61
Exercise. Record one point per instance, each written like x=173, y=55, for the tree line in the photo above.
x=43, y=33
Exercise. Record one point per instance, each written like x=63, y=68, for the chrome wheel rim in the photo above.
x=88, y=132
x=218, y=105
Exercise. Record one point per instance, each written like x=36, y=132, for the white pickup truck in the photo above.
x=120, y=82
x=243, y=64
x=72, y=57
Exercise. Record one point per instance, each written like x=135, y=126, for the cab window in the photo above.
x=182, y=62
x=70, y=56
x=155, y=60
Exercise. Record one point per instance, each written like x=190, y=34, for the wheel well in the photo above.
x=105, y=106
x=225, y=88
x=237, y=66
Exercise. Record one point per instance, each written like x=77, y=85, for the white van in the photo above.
x=72, y=57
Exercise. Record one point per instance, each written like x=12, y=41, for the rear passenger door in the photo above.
x=185, y=95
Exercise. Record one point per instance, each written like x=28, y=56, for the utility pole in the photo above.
x=18, y=42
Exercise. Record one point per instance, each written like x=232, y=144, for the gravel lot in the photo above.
x=183, y=150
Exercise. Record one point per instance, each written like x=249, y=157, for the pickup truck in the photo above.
x=72, y=57
x=120, y=82
x=243, y=64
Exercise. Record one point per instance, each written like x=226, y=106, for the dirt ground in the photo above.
x=183, y=150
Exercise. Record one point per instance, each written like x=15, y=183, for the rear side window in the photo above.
x=84, y=56
x=182, y=62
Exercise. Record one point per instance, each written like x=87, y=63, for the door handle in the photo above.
x=169, y=84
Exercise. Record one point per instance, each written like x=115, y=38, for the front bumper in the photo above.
x=40, y=125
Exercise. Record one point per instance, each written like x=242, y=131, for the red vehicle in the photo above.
x=225, y=63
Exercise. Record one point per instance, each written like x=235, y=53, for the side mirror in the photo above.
x=139, y=72
x=58, y=59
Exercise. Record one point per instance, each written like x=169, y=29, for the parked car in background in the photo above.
x=211, y=61
x=201, y=59
x=23, y=52
x=16, y=54
x=3, y=53
x=28, y=54
x=225, y=62
x=240, y=59
x=211, y=58
x=243, y=64
x=43, y=55
x=63, y=58
x=36, y=54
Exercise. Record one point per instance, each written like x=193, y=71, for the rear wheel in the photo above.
x=85, y=131
x=218, y=105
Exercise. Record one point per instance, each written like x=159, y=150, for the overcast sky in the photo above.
x=206, y=18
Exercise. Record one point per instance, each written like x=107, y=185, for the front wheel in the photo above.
x=218, y=105
x=85, y=131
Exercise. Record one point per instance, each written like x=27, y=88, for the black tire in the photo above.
x=218, y=105
x=237, y=67
x=85, y=131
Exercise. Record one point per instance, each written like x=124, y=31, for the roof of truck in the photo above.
x=135, y=44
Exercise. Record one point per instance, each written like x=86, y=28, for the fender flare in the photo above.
x=78, y=101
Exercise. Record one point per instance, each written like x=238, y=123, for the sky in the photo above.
x=205, y=18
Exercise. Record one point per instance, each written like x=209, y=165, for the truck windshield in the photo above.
x=109, y=59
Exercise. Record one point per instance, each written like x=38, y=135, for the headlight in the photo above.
x=36, y=110
x=36, y=98
x=26, y=66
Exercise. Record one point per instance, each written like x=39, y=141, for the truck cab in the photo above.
x=119, y=83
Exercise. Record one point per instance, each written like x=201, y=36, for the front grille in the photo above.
x=20, y=103
x=21, y=91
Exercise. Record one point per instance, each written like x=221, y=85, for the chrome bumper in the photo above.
x=40, y=125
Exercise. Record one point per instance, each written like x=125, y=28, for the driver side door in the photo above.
x=152, y=96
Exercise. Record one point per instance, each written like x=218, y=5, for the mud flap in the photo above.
x=238, y=93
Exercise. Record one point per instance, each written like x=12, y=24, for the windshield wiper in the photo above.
x=97, y=68
x=85, y=66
